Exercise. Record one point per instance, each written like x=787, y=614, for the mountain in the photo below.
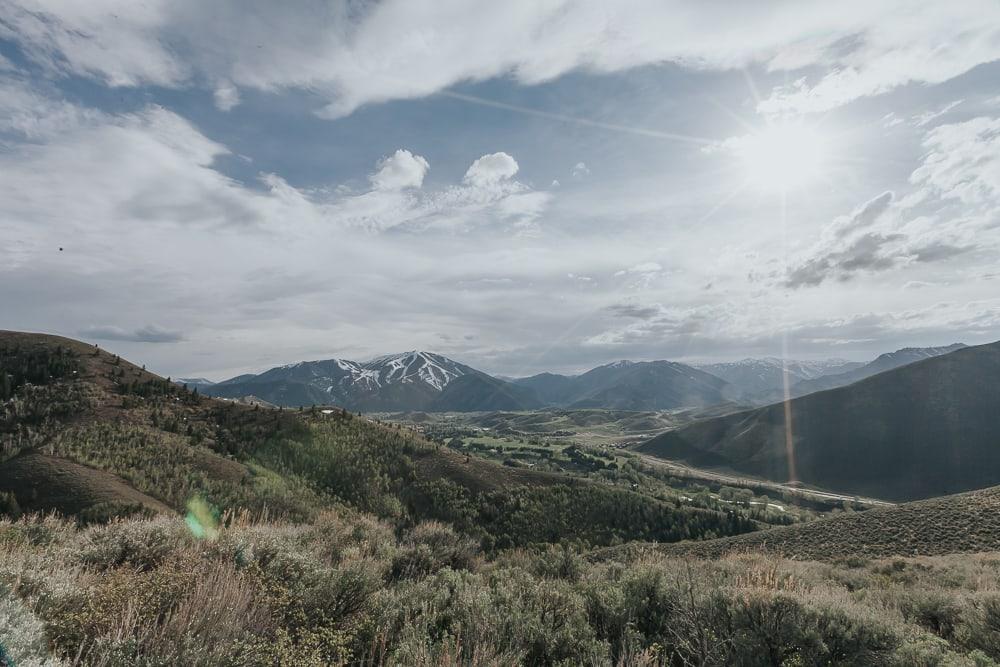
x=649, y=385
x=397, y=382
x=478, y=392
x=200, y=383
x=550, y=388
x=884, y=362
x=927, y=428
x=757, y=376
x=423, y=381
x=632, y=385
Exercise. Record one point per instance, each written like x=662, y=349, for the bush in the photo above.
x=140, y=544
x=980, y=626
x=935, y=611
x=431, y=546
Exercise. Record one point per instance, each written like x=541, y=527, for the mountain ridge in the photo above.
x=923, y=429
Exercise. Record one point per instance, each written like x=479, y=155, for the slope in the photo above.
x=759, y=376
x=882, y=363
x=925, y=429
x=82, y=430
x=43, y=483
x=478, y=392
x=963, y=523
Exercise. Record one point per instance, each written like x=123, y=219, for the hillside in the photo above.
x=478, y=392
x=763, y=375
x=924, y=429
x=89, y=434
x=41, y=483
x=850, y=375
x=963, y=523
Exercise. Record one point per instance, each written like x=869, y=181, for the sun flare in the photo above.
x=783, y=157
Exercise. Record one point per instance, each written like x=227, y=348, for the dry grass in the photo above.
x=346, y=589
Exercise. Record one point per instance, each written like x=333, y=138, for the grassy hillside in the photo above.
x=87, y=433
x=929, y=428
x=963, y=523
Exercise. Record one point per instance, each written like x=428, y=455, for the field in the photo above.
x=598, y=444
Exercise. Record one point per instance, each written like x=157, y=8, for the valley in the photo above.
x=327, y=528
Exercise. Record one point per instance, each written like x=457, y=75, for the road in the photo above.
x=683, y=470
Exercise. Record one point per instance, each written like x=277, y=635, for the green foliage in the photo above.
x=171, y=469
x=364, y=465
x=38, y=365
x=591, y=513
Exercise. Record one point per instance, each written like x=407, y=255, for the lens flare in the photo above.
x=202, y=519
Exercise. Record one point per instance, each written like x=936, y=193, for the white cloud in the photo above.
x=400, y=170
x=226, y=96
x=963, y=162
x=580, y=170
x=355, y=54
x=644, y=267
x=953, y=210
x=491, y=169
x=928, y=117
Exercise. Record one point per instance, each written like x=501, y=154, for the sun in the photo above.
x=783, y=157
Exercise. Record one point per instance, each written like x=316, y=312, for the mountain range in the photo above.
x=427, y=381
x=922, y=429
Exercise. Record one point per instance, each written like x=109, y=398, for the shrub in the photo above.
x=980, y=626
x=431, y=546
x=140, y=544
x=933, y=610
x=22, y=635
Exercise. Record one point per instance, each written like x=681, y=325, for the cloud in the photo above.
x=643, y=268
x=928, y=117
x=864, y=216
x=354, y=54
x=150, y=333
x=491, y=169
x=580, y=170
x=963, y=162
x=634, y=310
x=226, y=96
x=400, y=170
x=867, y=252
x=953, y=210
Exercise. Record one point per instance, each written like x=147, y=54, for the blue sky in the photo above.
x=521, y=186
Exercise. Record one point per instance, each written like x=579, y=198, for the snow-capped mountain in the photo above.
x=407, y=381
x=410, y=367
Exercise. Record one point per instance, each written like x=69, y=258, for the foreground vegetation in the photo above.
x=198, y=532
x=348, y=588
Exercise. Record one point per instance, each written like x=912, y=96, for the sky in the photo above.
x=537, y=185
